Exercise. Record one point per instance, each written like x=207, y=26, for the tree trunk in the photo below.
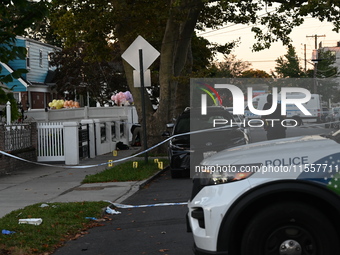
x=174, y=52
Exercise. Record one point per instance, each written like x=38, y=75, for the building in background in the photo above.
x=34, y=89
x=334, y=48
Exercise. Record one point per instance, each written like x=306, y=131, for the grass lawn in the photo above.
x=128, y=171
x=60, y=222
x=66, y=221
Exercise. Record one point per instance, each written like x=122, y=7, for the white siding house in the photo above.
x=33, y=89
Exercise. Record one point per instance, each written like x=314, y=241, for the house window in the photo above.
x=28, y=57
x=49, y=60
x=40, y=58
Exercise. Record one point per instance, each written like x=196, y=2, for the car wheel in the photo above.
x=298, y=121
x=289, y=228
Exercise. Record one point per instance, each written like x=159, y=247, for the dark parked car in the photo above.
x=188, y=150
x=333, y=118
x=324, y=114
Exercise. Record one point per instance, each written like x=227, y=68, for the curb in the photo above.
x=150, y=179
x=139, y=185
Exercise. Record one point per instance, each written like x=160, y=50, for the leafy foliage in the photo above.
x=255, y=73
x=169, y=26
x=288, y=66
x=16, y=16
x=325, y=69
x=231, y=67
x=78, y=69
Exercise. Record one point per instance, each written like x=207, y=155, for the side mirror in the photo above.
x=170, y=125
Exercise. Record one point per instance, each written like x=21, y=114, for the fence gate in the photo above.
x=50, y=142
x=84, y=141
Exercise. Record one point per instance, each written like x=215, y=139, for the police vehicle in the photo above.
x=269, y=198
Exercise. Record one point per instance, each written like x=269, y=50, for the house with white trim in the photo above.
x=34, y=89
x=334, y=48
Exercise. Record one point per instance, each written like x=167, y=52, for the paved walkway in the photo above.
x=43, y=184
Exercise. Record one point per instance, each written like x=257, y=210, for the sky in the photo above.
x=265, y=60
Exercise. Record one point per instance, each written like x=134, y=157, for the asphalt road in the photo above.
x=154, y=230
x=258, y=134
x=151, y=230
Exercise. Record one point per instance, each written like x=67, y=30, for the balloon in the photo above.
x=122, y=98
x=128, y=96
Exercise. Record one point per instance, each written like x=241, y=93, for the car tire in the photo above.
x=298, y=120
x=289, y=228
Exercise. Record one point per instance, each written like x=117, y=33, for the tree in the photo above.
x=231, y=67
x=325, y=72
x=288, y=66
x=100, y=78
x=325, y=67
x=255, y=73
x=16, y=16
x=169, y=26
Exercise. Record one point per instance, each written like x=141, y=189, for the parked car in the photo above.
x=188, y=150
x=332, y=117
x=324, y=114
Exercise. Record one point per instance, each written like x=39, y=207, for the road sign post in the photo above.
x=134, y=56
x=143, y=104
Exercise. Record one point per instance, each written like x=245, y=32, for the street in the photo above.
x=154, y=230
x=258, y=134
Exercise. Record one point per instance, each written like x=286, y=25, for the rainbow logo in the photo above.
x=211, y=92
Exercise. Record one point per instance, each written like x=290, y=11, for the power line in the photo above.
x=316, y=39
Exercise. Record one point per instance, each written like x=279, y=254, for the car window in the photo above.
x=199, y=122
x=182, y=125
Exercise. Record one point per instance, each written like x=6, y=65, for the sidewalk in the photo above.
x=46, y=184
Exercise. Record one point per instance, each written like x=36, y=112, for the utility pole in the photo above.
x=316, y=39
x=304, y=53
x=315, y=59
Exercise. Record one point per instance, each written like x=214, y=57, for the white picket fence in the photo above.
x=63, y=142
x=50, y=142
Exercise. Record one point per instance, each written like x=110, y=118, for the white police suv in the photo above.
x=279, y=197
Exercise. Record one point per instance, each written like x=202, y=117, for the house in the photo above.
x=334, y=48
x=34, y=89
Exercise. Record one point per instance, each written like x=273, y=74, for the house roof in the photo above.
x=20, y=85
x=17, y=84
